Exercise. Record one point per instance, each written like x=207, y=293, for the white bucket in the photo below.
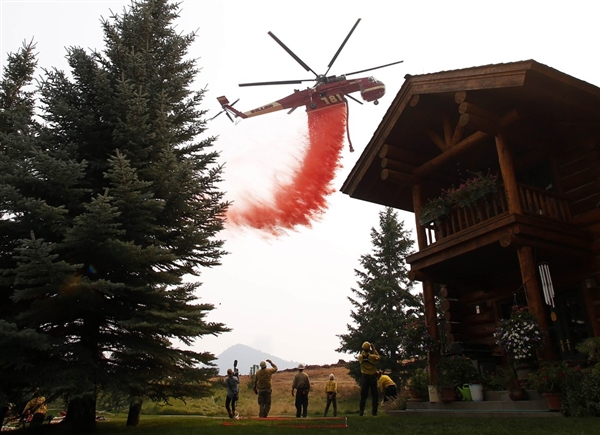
x=476, y=392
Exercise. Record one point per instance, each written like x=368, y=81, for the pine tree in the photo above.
x=124, y=205
x=384, y=303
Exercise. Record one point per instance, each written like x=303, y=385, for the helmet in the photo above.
x=300, y=366
x=263, y=365
x=331, y=377
x=366, y=345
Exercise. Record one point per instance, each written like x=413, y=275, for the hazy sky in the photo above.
x=288, y=296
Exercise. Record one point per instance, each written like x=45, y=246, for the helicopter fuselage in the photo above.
x=325, y=94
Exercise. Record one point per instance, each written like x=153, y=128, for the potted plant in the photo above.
x=520, y=337
x=505, y=378
x=454, y=371
x=550, y=380
x=417, y=385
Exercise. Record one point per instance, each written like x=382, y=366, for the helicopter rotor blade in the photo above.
x=210, y=119
x=291, y=53
x=371, y=69
x=281, y=82
x=341, y=47
x=355, y=99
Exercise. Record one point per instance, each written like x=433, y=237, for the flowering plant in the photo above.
x=472, y=189
x=433, y=209
x=456, y=370
x=520, y=336
x=469, y=191
x=551, y=377
x=417, y=341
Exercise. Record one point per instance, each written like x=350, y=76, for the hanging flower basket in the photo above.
x=520, y=336
x=433, y=210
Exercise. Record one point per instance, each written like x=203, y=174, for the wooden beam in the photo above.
x=510, y=240
x=421, y=233
x=507, y=168
x=397, y=177
x=460, y=97
x=431, y=322
x=417, y=275
x=534, y=294
x=458, y=133
x=473, y=109
x=396, y=165
x=401, y=155
x=437, y=140
x=448, y=130
x=478, y=123
x=451, y=153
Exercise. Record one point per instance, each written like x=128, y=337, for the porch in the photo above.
x=495, y=404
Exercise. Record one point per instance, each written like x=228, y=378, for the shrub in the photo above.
x=456, y=370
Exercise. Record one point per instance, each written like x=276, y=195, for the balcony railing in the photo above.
x=534, y=201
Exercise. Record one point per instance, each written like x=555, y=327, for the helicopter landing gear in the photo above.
x=376, y=102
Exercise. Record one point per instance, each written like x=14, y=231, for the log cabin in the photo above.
x=534, y=238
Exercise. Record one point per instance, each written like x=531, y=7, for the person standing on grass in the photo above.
x=331, y=391
x=368, y=359
x=301, y=384
x=263, y=387
x=386, y=386
x=233, y=390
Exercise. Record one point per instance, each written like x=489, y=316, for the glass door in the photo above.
x=569, y=325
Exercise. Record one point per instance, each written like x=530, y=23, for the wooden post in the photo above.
x=534, y=294
x=507, y=168
x=431, y=321
x=428, y=289
x=417, y=204
x=527, y=264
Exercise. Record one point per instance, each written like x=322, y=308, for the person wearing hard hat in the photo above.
x=331, y=391
x=301, y=384
x=387, y=387
x=368, y=359
x=263, y=387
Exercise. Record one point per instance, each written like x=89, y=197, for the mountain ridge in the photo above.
x=247, y=357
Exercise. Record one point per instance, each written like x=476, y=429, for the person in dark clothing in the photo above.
x=233, y=390
x=301, y=384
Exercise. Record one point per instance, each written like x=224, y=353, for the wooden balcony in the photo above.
x=478, y=240
x=534, y=202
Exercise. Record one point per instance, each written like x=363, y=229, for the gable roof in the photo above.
x=424, y=100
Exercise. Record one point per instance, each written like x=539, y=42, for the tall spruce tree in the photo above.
x=383, y=303
x=114, y=201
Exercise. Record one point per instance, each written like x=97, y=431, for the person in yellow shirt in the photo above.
x=36, y=407
x=263, y=387
x=368, y=359
x=386, y=386
x=331, y=391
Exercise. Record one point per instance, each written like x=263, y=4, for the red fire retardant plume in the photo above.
x=302, y=200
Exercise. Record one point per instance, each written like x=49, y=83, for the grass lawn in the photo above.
x=383, y=424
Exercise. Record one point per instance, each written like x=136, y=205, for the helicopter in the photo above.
x=327, y=91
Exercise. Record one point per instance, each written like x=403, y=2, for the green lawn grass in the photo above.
x=382, y=424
